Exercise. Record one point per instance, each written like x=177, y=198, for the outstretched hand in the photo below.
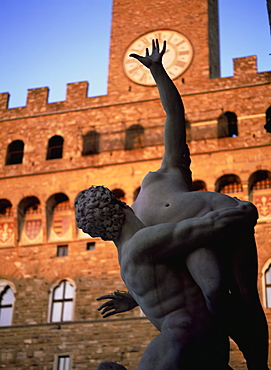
x=119, y=302
x=155, y=57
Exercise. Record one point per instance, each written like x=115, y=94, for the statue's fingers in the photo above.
x=106, y=304
x=164, y=47
x=106, y=296
x=136, y=56
x=106, y=309
x=153, y=46
x=147, y=52
x=157, y=45
x=109, y=314
x=119, y=294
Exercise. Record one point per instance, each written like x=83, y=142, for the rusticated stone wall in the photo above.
x=33, y=269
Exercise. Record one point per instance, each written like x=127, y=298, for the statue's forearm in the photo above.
x=170, y=97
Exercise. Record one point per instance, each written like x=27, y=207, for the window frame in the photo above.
x=59, y=356
x=55, y=147
x=265, y=286
x=11, y=286
x=14, y=152
x=91, y=143
x=134, y=137
x=63, y=248
x=62, y=300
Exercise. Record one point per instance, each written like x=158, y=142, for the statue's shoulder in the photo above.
x=151, y=178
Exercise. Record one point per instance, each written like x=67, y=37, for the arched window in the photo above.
x=91, y=143
x=55, y=147
x=119, y=193
x=7, y=234
x=267, y=277
x=5, y=208
x=267, y=125
x=136, y=192
x=62, y=302
x=229, y=184
x=227, y=125
x=15, y=152
x=30, y=221
x=260, y=192
x=6, y=304
x=59, y=217
x=199, y=185
x=134, y=137
x=260, y=180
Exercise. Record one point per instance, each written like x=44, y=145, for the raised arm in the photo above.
x=175, y=132
x=168, y=240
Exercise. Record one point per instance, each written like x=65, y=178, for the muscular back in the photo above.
x=175, y=290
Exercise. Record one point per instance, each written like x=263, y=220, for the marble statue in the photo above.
x=188, y=259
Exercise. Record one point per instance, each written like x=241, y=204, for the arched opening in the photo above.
x=6, y=303
x=7, y=227
x=136, y=192
x=30, y=221
x=260, y=180
x=15, y=152
x=62, y=302
x=59, y=217
x=120, y=194
x=227, y=125
x=91, y=143
x=134, y=137
x=267, y=285
x=229, y=184
x=260, y=192
x=267, y=125
x=5, y=208
x=55, y=147
x=199, y=185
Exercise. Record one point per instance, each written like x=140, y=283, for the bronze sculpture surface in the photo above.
x=188, y=258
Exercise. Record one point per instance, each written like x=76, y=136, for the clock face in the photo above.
x=176, y=60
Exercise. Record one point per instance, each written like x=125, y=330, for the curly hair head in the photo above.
x=99, y=213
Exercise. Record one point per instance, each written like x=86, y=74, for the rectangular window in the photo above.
x=63, y=362
x=90, y=246
x=62, y=302
x=62, y=250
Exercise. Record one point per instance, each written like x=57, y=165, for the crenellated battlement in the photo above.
x=37, y=101
x=245, y=73
x=245, y=66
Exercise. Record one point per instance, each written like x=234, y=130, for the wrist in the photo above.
x=156, y=64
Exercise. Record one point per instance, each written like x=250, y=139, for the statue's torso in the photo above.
x=164, y=198
x=163, y=289
x=166, y=287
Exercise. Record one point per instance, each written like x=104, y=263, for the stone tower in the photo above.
x=50, y=272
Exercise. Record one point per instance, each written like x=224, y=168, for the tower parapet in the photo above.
x=77, y=93
x=245, y=66
x=245, y=73
x=37, y=101
x=4, y=98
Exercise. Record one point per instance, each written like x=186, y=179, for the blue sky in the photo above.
x=55, y=42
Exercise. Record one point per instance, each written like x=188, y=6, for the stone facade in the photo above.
x=31, y=232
